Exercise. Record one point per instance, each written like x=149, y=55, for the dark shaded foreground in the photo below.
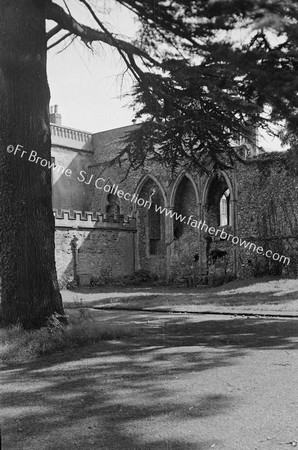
x=181, y=382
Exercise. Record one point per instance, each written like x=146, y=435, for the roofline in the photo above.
x=71, y=128
x=135, y=125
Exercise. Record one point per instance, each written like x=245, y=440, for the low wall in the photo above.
x=93, y=245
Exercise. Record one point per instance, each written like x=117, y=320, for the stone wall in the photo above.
x=263, y=211
x=268, y=214
x=71, y=149
x=93, y=246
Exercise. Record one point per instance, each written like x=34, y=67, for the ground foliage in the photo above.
x=21, y=346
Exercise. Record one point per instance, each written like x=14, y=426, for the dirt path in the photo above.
x=271, y=296
x=183, y=382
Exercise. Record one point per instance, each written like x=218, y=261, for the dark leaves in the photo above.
x=216, y=85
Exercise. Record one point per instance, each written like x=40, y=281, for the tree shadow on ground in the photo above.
x=207, y=300
x=260, y=292
x=134, y=394
x=240, y=333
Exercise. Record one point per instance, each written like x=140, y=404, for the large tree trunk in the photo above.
x=30, y=292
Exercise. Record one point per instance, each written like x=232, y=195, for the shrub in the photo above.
x=97, y=281
x=142, y=276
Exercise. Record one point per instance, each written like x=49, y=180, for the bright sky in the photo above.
x=88, y=87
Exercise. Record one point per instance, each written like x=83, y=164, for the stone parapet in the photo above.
x=66, y=218
x=71, y=138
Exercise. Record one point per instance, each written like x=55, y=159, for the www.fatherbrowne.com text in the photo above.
x=100, y=183
x=222, y=234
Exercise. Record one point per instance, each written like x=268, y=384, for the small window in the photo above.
x=112, y=206
x=224, y=209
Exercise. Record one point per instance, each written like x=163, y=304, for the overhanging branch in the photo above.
x=126, y=58
x=89, y=35
x=53, y=31
x=58, y=41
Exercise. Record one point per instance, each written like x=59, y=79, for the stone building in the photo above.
x=109, y=226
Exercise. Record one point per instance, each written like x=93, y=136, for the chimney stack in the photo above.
x=55, y=117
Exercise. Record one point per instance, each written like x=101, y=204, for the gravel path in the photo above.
x=182, y=382
x=263, y=296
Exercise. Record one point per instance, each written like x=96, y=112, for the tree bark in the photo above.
x=30, y=293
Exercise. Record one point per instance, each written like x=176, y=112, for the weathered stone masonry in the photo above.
x=257, y=202
x=93, y=245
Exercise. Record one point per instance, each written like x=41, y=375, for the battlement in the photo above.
x=66, y=218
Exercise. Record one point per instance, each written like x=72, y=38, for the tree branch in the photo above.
x=59, y=40
x=89, y=35
x=126, y=58
x=53, y=31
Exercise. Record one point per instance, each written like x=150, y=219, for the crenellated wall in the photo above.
x=93, y=246
x=65, y=218
x=263, y=209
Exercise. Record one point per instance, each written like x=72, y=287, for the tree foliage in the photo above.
x=207, y=72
